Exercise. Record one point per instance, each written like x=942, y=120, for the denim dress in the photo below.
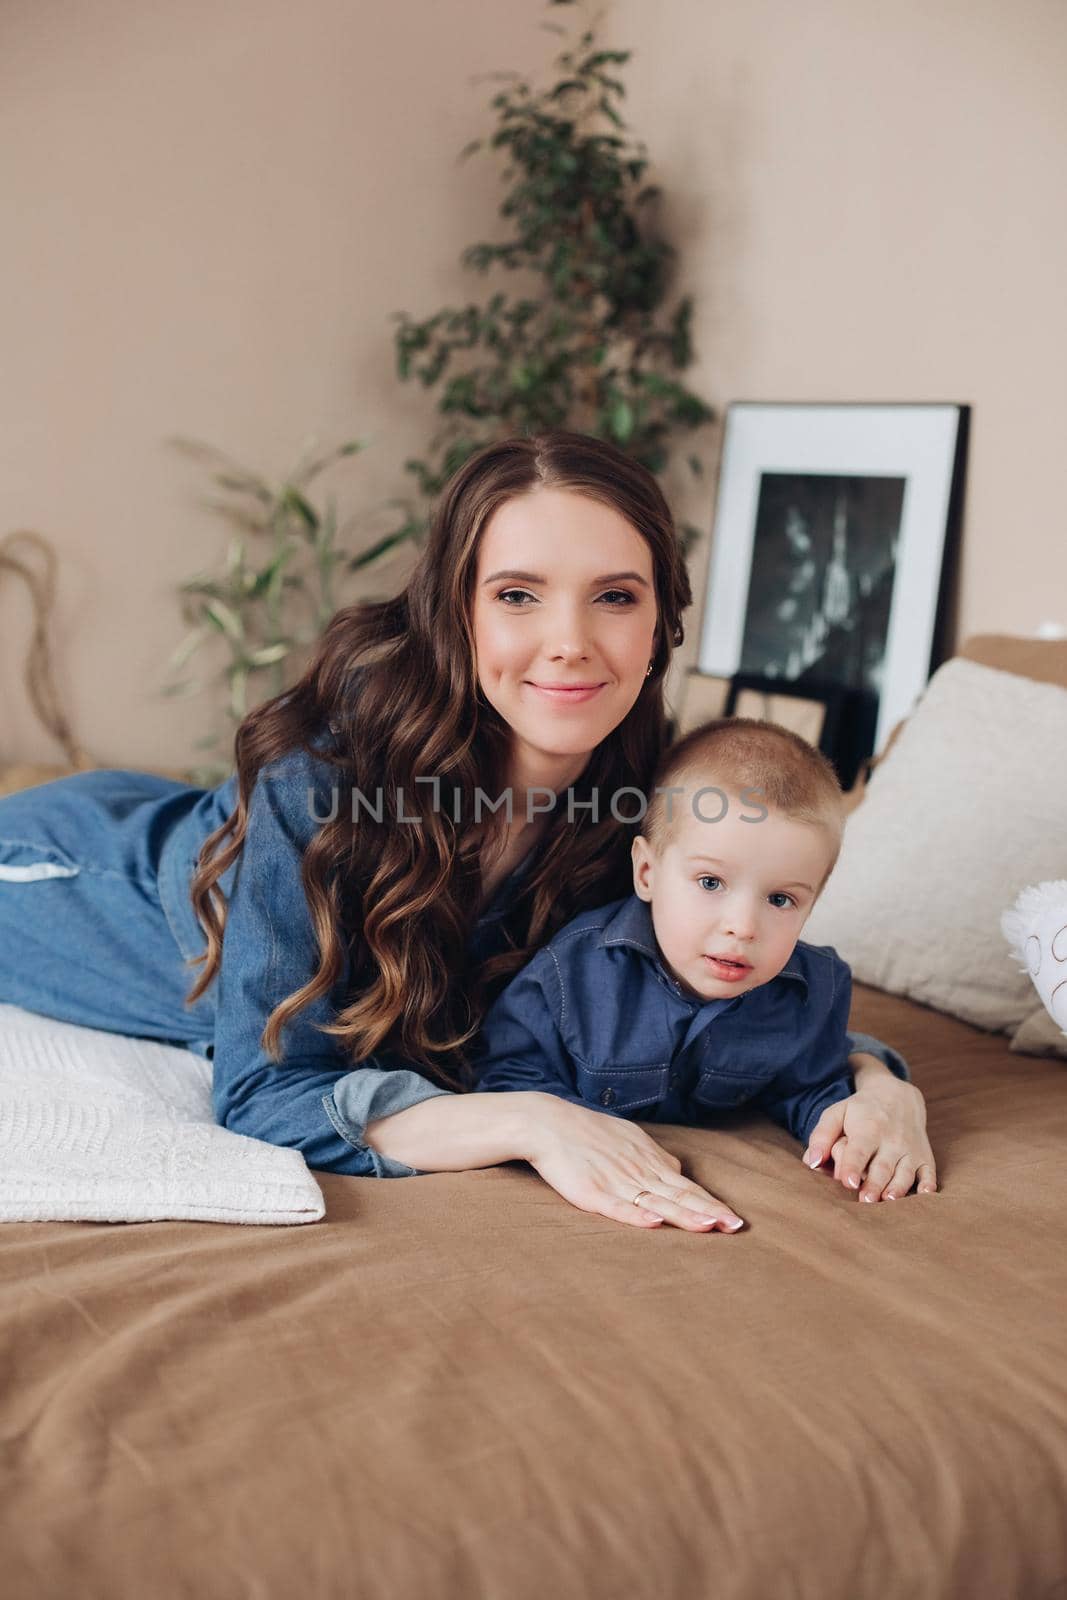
x=97, y=928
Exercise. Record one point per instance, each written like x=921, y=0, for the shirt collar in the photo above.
x=631, y=925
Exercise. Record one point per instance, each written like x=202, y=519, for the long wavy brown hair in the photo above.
x=401, y=901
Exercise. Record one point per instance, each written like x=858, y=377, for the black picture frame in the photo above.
x=835, y=555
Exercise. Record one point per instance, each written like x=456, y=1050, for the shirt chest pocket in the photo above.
x=623, y=1089
x=722, y=1088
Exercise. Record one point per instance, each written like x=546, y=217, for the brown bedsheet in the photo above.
x=460, y=1386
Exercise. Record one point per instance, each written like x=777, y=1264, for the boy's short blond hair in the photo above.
x=739, y=754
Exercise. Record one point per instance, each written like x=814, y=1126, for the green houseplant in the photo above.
x=592, y=350
x=274, y=595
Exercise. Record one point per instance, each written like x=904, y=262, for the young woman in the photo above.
x=438, y=794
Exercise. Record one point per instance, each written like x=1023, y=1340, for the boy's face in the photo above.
x=733, y=888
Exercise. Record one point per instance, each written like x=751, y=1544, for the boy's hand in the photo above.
x=877, y=1139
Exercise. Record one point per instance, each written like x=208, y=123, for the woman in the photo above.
x=405, y=828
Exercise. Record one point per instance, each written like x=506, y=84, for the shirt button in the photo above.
x=607, y=1096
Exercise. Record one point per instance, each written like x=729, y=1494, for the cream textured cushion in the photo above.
x=969, y=804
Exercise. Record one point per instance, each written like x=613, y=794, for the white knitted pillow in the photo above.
x=98, y=1127
x=970, y=802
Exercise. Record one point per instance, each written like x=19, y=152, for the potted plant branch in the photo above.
x=592, y=351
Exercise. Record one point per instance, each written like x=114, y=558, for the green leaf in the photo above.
x=366, y=557
x=185, y=650
x=203, y=584
x=351, y=447
x=233, y=476
x=224, y=619
x=239, y=692
x=269, y=654
x=263, y=580
x=622, y=419
x=293, y=500
x=259, y=491
x=602, y=57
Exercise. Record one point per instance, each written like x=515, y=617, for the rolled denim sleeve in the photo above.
x=313, y=1100
x=885, y=1053
x=367, y=1093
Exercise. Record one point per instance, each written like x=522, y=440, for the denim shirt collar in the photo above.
x=632, y=926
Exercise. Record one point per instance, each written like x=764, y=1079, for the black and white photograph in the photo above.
x=833, y=532
x=821, y=582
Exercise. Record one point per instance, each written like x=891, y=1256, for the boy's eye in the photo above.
x=780, y=894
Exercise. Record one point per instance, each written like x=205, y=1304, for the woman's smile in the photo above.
x=569, y=693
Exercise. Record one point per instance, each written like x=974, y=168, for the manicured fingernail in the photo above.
x=867, y=1197
x=853, y=1179
x=736, y=1223
x=814, y=1160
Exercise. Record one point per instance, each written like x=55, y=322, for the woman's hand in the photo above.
x=600, y=1162
x=877, y=1139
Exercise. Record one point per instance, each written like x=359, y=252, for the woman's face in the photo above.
x=564, y=596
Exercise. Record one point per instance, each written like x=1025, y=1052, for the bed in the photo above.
x=460, y=1386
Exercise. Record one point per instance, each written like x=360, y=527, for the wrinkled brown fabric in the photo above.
x=459, y=1385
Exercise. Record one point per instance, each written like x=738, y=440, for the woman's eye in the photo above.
x=622, y=598
x=707, y=878
x=788, y=898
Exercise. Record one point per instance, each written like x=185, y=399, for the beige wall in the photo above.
x=211, y=211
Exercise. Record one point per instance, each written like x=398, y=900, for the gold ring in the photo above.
x=639, y=1193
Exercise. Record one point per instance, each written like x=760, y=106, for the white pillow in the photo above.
x=98, y=1127
x=970, y=802
x=1036, y=929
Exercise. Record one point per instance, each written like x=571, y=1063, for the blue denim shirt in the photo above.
x=314, y=1099
x=596, y=1017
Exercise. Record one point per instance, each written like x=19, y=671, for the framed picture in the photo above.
x=703, y=698
x=836, y=533
x=813, y=718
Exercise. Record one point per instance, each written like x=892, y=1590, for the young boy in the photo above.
x=695, y=995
